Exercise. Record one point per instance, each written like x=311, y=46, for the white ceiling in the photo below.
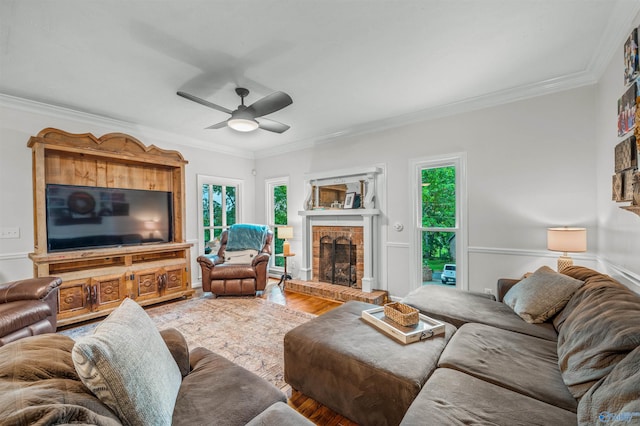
x=350, y=65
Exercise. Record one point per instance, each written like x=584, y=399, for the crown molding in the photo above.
x=553, y=85
x=621, y=21
x=144, y=132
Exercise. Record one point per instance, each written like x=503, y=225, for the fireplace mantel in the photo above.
x=340, y=212
x=367, y=217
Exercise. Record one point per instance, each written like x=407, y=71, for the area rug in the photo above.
x=247, y=331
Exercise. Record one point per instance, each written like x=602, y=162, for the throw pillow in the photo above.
x=240, y=257
x=541, y=295
x=127, y=365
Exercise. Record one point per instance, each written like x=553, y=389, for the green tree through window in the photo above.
x=438, y=212
x=219, y=203
x=280, y=218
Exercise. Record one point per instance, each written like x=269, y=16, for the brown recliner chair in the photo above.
x=222, y=278
x=28, y=307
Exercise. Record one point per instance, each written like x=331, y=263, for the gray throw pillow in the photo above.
x=541, y=295
x=127, y=365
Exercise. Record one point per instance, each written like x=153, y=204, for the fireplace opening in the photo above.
x=338, y=261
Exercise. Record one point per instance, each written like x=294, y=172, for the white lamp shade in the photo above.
x=567, y=239
x=285, y=232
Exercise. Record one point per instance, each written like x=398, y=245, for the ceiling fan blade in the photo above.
x=219, y=125
x=272, y=126
x=203, y=102
x=271, y=103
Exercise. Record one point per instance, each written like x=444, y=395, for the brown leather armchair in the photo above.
x=28, y=307
x=222, y=278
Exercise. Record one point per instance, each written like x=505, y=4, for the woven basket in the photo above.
x=402, y=314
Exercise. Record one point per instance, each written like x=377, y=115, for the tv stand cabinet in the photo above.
x=96, y=280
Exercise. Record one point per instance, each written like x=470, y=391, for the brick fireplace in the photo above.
x=338, y=255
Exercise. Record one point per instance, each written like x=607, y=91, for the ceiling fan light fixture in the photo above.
x=243, y=124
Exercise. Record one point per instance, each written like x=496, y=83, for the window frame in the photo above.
x=270, y=185
x=222, y=181
x=459, y=161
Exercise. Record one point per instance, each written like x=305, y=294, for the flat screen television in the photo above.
x=83, y=217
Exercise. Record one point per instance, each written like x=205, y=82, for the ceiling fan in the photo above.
x=243, y=119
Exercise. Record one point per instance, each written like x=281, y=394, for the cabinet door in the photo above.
x=175, y=279
x=147, y=283
x=74, y=298
x=108, y=291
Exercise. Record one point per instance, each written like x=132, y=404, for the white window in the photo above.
x=277, y=214
x=219, y=209
x=440, y=242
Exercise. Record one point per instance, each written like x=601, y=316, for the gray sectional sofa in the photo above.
x=44, y=380
x=579, y=364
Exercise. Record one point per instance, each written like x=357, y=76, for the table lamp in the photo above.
x=284, y=233
x=566, y=240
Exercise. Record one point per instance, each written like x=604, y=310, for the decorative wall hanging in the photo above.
x=631, y=57
x=627, y=110
x=625, y=184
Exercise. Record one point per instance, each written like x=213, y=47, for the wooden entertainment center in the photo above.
x=96, y=280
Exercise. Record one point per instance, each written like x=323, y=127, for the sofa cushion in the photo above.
x=177, y=345
x=616, y=397
x=521, y=363
x=459, y=307
x=219, y=392
x=541, y=295
x=599, y=326
x=39, y=385
x=240, y=257
x=451, y=397
x=129, y=367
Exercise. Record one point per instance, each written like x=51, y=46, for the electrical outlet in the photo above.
x=488, y=291
x=9, y=232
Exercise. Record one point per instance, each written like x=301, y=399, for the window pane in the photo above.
x=439, y=250
x=439, y=197
x=230, y=192
x=217, y=205
x=205, y=205
x=280, y=204
x=280, y=218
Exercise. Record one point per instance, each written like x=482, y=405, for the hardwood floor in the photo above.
x=311, y=409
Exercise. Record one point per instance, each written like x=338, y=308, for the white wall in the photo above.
x=618, y=230
x=19, y=122
x=530, y=165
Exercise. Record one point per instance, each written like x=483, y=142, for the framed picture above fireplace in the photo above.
x=348, y=200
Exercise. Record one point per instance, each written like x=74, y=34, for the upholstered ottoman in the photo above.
x=348, y=365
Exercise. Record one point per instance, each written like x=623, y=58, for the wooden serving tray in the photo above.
x=427, y=327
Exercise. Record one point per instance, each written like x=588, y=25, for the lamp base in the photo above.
x=564, y=262
x=286, y=248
